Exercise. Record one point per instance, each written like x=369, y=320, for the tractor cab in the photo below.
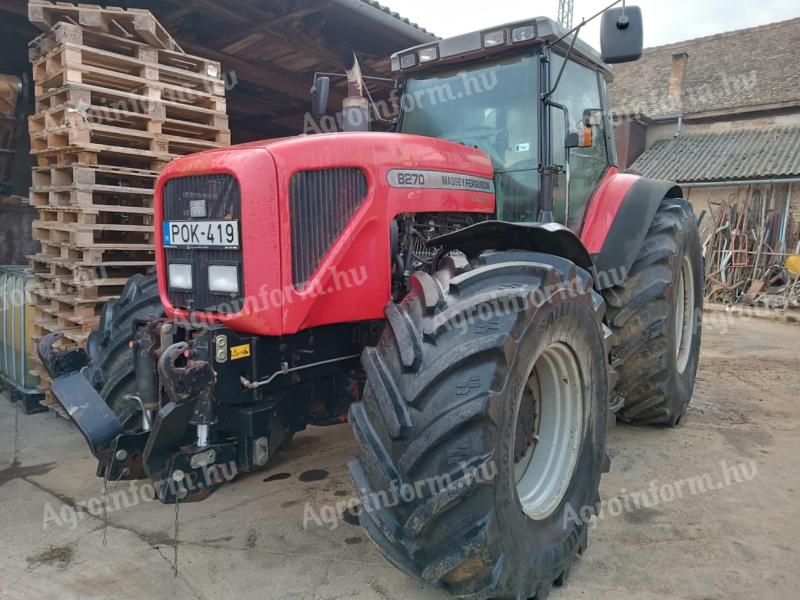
x=532, y=97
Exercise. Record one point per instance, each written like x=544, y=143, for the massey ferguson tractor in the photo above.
x=475, y=292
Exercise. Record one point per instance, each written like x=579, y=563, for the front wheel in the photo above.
x=482, y=430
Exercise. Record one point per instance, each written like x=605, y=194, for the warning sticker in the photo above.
x=238, y=352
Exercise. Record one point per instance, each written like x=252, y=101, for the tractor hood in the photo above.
x=312, y=217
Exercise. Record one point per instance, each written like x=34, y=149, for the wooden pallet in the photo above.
x=122, y=82
x=93, y=177
x=85, y=135
x=97, y=255
x=48, y=267
x=75, y=55
x=113, y=101
x=102, y=235
x=63, y=33
x=72, y=337
x=70, y=314
x=132, y=23
x=91, y=115
x=138, y=216
x=107, y=156
x=94, y=199
x=116, y=100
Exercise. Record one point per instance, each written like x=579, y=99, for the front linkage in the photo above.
x=211, y=401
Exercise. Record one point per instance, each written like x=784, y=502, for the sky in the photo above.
x=665, y=21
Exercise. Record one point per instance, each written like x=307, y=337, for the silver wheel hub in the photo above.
x=549, y=430
x=684, y=315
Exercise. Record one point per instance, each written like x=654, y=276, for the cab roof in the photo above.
x=491, y=41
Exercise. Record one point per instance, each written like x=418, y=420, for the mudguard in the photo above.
x=550, y=238
x=629, y=228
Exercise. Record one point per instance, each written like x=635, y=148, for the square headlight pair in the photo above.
x=221, y=278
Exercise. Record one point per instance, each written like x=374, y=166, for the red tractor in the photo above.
x=475, y=293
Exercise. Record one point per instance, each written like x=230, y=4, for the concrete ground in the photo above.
x=739, y=540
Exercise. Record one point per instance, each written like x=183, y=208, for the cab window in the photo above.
x=579, y=92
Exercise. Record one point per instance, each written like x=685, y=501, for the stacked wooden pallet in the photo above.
x=116, y=100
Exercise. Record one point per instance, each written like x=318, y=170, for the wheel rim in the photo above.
x=684, y=315
x=546, y=447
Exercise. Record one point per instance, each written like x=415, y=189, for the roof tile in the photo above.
x=737, y=69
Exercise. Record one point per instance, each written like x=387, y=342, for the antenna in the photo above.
x=565, y=12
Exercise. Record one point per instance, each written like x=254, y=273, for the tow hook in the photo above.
x=182, y=472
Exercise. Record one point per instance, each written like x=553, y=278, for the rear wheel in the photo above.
x=656, y=315
x=482, y=430
x=111, y=370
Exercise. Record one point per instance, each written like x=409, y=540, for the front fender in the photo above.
x=549, y=238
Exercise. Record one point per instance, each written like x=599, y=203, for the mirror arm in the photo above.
x=563, y=64
x=585, y=21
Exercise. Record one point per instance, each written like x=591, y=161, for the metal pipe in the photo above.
x=20, y=377
x=202, y=436
x=785, y=220
x=7, y=340
x=285, y=370
x=739, y=183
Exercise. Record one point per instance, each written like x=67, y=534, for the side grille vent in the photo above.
x=321, y=203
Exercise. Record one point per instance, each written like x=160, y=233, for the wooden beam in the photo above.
x=260, y=28
x=170, y=17
x=246, y=14
x=19, y=7
x=258, y=73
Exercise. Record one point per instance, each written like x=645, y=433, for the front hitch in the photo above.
x=185, y=472
x=183, y=468
x=119, y=454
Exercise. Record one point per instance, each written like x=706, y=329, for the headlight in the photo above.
x=408, y=60
x=179, y=276
x=223, y=278
x=429, y=54
x=494, y=38
x=523, y=34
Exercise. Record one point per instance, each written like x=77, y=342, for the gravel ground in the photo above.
x=707, y=510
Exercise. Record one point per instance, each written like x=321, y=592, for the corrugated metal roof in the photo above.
x=398, y=16
x=734, y=155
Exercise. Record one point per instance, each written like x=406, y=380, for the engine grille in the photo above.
x=321, y=203
x=223, y=202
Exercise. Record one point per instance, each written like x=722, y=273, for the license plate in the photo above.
x=201, y=234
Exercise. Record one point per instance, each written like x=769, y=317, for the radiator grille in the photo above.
x=223, y=202
x=321, y=203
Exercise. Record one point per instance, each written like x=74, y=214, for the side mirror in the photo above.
x=572, y=140
x=621, y=34
x=320, y=93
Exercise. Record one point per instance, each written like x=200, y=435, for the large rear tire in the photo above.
x=111, y=370
x=482, y=430
x=656, y=315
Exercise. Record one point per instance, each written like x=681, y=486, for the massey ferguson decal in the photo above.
x=439, y=180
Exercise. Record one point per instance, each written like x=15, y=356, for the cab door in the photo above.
x=582, y=91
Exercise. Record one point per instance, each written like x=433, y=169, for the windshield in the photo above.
x=492, y=108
